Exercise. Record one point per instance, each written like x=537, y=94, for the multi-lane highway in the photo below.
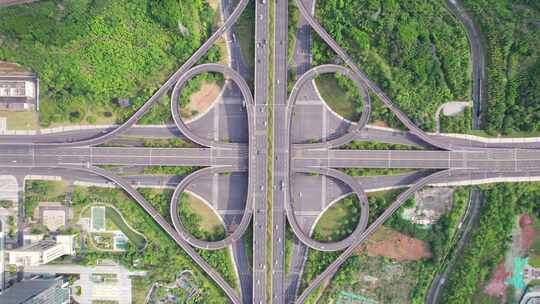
x=280, y=170
x=260, y=142
x=457, y=159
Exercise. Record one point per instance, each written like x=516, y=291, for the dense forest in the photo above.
x=89, y=53
x=415, y=50
x=490, y=239
x=511, y=30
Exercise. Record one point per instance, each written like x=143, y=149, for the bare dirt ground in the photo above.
x=390, y=243
x=13, y=69
x=201, y=100
x=496, y=286
x=379, y=123
x=214, y=4
x=527, y=232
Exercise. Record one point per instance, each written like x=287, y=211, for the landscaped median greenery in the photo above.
x=511, y=34
x=415, y=50
x=245, y=31
x=89, y=53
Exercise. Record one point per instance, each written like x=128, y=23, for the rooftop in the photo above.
x=26, y=290
x=37, y=246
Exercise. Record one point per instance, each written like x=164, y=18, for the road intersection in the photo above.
x=446, y=160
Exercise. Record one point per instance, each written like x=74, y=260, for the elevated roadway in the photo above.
x=493, y=160
x=31, y=155
x=280, y=151
x=186, y=235
x=259, y=142
x=362, y=223
x=229, y=73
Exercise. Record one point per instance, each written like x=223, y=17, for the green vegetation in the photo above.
x=289, y=243
x=338, y=221
x=6, y=204
x=248, y=243
x=89, y=53
x=245, y=33
x=20, y=120
x=375, y=171
x=415, y=50
x=42, y=191
x=199, y=219
x=341, y=95
x=12, y=226
x=413, y=278
x=513, y=65
x=137, y=239
x=163, y=258
x=167, y=143
x=375, y=145
x=292, y=26
x=460, y=123
x=194, y=85
x=490, y=240
x=166, y=170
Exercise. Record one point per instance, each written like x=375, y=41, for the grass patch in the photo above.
x=168, y=143
x=245, y=33
x=376, y=171
x=534, y=260
x=292, y=26
x=334, y=92
x=199, y=219
x=374, y=145
x=338, y=221
x=165, y=170
x=20, y=120
x=209, y=220
x=43, y=191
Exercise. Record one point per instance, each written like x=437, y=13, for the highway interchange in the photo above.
x=294, y=160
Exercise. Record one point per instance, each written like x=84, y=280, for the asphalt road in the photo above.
x=280, y=176
x=186, y=235
x=6, y=3
x=259, y=141
x=489, y=160
x=478, y=61
x=470, y=218
x=31, y=155
x=463, y=159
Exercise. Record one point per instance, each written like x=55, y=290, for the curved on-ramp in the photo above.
x=401, y=199
x=227, y=72
x=360, y=227
x=327, y=69
x=186, y=235
x=124, y=184
x=372, y=86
